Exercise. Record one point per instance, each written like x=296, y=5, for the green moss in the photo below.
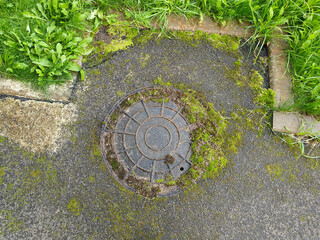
x=2, y=139
x=193, y=38
x=144, y=37
x=74, y=206
x=226, y=43
x=299, y=145
x=144, y=59
x=12, y=224
x=215, y=167
x=114, y=164
x=275, y=170
x=131, y=100
x=127, y=222
x=114, y=117
x=171, y=183
x=313, y=164
x=263, y=63
x=102, y=167
x=122, y=37
x=96, y=72
x=96, y=151
x=288, y=173
x=159, y=81
x=195, y=174
x=208, y=157
x=207, y=139
x=36, y=174
x=117, y=45
x=264, y=97
x=92, y=179
x=2, y=173
x=119, y=93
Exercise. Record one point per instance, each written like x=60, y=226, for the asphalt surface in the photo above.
x=245, y=202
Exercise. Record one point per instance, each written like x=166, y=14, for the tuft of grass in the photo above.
x=142, y=13
x=305, y=140
x=40, y=40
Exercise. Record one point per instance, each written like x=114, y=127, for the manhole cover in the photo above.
x=146, y=142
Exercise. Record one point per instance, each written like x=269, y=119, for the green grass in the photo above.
x=11, y=21
x=298, y=22
x=40, y=39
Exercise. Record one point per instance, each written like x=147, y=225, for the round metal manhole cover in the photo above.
x=146, y=142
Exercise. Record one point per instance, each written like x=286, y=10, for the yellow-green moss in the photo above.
x=2, y=173
x=122, y=37
x=74, y=206
x=226, y=43
x=92, y=179
x=171, y=183
x=120, y=94
x=36, y=174
x=96, y=151
x=208, y=155
x=144, y=59
x=96, y=72
x=12, y=224
x=2, y=139
x=274, y=170
x=264, y=97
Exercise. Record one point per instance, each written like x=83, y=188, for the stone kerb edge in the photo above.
x=280, y=79
x=60, y=93
x=280, y=82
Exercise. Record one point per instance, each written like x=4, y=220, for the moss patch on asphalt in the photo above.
x=212, y=136
x=120, y=37
x=19, y=181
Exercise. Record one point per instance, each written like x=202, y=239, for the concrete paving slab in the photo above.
x=280, y=79
x=60, y=93
x=34, y=125
x=295, y=123
x=280, y=82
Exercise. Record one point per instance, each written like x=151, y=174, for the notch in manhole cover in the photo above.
x=146, y=141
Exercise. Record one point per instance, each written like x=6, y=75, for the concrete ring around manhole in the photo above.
x=146, y=141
